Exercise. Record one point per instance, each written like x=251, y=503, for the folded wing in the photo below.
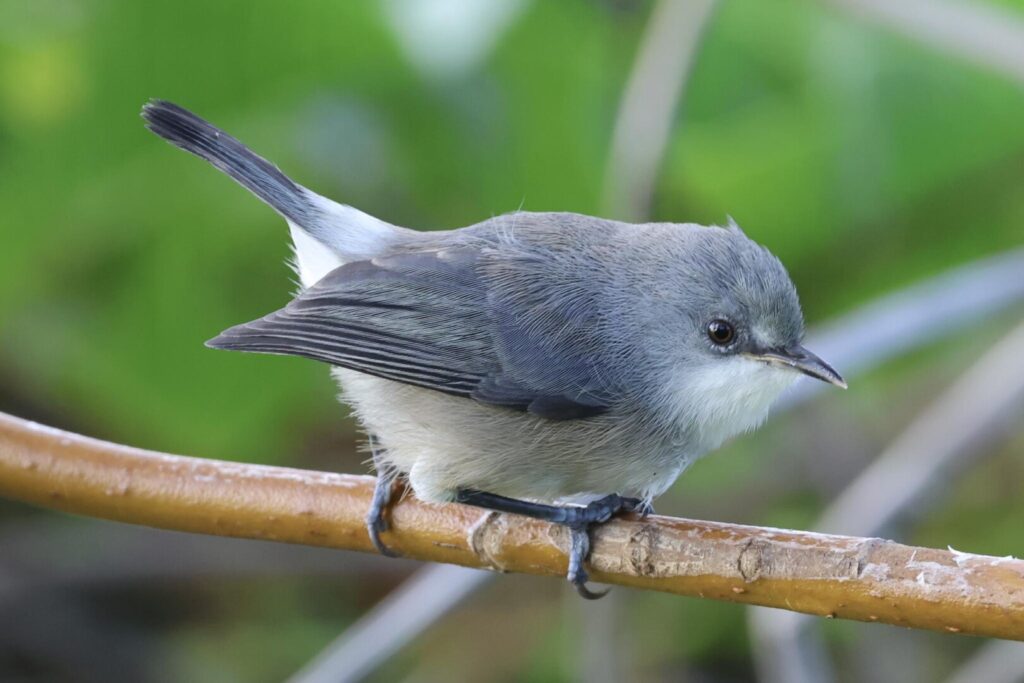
x=446, y=321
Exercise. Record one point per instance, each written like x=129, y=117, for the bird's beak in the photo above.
x=802, y=360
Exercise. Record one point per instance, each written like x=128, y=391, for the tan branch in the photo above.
x=833, y=576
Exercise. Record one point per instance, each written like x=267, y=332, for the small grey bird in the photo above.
x=552, y=365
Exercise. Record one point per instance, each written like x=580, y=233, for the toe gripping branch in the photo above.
x=578, y=519
x=376, y=519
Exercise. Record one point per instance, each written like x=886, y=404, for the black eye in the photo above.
x=721, y=332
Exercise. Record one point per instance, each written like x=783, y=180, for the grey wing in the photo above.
x=435, y=319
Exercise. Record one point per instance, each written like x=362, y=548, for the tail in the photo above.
x=184, y=129
x=340, y=233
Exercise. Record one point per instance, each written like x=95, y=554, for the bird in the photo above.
x=550, y=364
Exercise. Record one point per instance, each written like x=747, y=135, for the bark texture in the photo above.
x=868, y=579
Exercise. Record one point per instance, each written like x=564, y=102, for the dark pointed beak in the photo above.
x=802, y=360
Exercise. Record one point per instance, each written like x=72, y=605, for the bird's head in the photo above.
x=735, y=335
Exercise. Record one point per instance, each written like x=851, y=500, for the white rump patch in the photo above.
x=337, y=235
x=313, y=260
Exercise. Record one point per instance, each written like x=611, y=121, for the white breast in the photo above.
x=728, y=396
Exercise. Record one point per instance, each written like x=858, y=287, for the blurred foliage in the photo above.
x=863, y=160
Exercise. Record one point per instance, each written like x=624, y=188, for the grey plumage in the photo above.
x=186, y=130
x=549, y=357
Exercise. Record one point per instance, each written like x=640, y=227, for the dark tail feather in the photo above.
x=191, y=133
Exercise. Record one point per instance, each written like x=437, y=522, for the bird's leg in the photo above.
x=376, y=518
x=578, y=519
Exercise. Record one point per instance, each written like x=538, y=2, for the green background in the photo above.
x=864, y=160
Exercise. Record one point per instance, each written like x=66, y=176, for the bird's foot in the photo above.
x=578, y=552
x=595, y=512
x=579, y=520
x=376, y=519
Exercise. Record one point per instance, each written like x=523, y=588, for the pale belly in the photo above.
x=443, y=443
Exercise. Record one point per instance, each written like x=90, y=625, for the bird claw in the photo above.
x=579, y=520
x=375, y=527
x=376, y=519
x=578, y=551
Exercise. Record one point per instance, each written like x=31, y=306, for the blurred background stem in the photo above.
x=876, y=147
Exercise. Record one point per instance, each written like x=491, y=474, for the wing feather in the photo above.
x=438, y=320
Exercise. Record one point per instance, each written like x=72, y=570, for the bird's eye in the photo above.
x=721, y=332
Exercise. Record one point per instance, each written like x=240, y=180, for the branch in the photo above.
x=832, y=576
